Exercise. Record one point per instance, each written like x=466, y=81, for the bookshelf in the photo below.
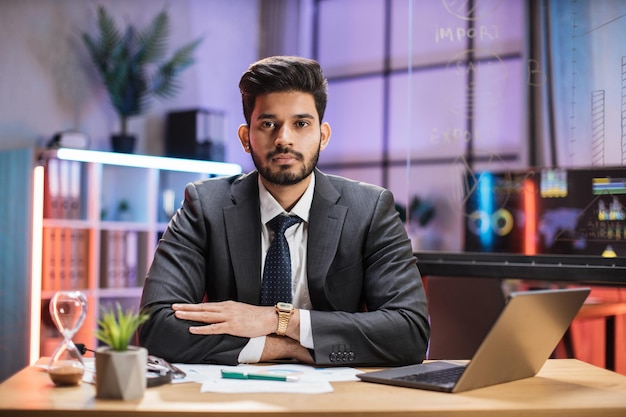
x=101, y=215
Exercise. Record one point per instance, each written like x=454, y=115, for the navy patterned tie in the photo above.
x=276, y=286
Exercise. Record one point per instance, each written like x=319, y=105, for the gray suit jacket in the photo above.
x=369, y=302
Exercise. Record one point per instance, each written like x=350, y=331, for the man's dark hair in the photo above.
x=282, y=74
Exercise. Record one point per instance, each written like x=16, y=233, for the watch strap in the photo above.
x=284, y=314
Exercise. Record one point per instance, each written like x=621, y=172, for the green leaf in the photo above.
x=153, y=39
x=164, y=80
x=116, y=326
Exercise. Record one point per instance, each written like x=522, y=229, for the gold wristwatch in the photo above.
x=285, y=311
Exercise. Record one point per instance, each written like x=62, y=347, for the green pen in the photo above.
x=266, y=377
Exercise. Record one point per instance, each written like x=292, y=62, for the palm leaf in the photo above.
x=164, y=80
x=153, y=39
x=102, y=48
x=109, y=35
x=183, y=56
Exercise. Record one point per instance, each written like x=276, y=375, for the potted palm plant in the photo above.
x=120, y=367
x=133, y=67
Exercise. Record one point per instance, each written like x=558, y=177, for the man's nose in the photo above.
x=284, y=137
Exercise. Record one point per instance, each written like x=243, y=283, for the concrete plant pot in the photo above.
x=123, y=143
x=121, y=375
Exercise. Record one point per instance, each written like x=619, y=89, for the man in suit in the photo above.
x=355, y=295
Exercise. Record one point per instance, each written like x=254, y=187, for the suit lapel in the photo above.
x=326, y=223
x=243, y=237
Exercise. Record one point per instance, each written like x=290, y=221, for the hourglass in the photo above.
x=68, y=310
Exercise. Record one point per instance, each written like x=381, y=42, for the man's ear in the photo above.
x=325, y=135
x=244, y=137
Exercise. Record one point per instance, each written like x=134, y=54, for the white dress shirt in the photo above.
x=297, y=239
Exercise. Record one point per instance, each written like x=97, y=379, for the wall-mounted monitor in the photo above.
x=547, y=211
x=547, y=224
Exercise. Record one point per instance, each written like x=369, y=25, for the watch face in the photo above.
x=284, y=306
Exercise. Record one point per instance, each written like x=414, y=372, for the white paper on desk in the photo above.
x=197, y=373
x=90, y=370
x=311, y=379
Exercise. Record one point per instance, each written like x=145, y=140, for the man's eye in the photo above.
x=268, y=124
x=302, y=123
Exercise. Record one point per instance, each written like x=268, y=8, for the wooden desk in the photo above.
x=564, y=387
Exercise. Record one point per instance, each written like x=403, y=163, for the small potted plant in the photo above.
x=133, y=67
x=120, y=367
x=124, y=213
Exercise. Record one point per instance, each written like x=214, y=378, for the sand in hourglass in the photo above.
x=66, y=374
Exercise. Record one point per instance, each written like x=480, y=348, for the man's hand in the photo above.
x=246, y=320
x=234, y=318
x=228, y=317
x=278, y=347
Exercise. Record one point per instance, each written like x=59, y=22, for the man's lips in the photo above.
x=284, y=158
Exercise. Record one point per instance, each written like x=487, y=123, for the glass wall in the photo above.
x=422, y=92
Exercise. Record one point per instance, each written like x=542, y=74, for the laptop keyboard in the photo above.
x=440, y=377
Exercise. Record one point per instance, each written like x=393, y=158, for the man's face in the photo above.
x=285, y=137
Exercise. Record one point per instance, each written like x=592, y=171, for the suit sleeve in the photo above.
x=178, y=274
x=390, y=327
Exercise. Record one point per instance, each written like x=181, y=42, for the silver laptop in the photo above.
x=518, y=344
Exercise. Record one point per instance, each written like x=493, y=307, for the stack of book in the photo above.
x=65, y=258
x=62, y=189
x=119, y=259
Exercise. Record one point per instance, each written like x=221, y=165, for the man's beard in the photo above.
x=284, y=176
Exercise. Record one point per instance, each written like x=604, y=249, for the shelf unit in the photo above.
x=96, y=223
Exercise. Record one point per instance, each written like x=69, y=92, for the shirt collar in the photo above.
x=270, y=207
